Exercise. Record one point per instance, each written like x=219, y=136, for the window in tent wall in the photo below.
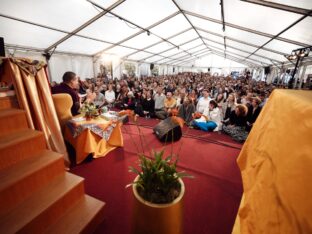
x=106, y=69
x=155, y=70
x=130, y=69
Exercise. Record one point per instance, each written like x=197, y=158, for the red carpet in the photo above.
x=211, y=199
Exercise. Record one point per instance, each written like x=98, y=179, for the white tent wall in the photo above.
x=144, y=69
x=162, y=70
x=308, y=71
x=272, y=75
x=217, y=62
x=170, y=70
x=81, y=65
x=258, y=74
x=186, y=69
x=117, y=72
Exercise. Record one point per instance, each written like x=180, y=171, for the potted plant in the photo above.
x=158, y=191
x=158, y=188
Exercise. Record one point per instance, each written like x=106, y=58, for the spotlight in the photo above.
x=148, y=33
x=302, y=53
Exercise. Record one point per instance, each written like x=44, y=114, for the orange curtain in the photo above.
x=34, y=96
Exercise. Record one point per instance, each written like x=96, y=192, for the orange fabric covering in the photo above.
x=88, y=142
x=276, y=164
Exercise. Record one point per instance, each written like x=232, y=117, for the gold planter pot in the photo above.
x=157, y=218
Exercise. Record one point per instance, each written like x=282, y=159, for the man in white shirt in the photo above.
x=110, y=95
x=203, y=102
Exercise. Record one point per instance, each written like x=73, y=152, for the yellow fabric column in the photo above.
x=276, y=167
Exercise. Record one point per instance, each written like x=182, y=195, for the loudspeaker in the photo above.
x=173, y=69
x=152, y=66
x=2, y=52
x=267, y=70
x=208, y=69
x=168, y=131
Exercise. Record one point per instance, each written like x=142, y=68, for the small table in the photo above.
x=97, y=136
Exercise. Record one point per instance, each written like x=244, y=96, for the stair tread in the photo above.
x=38, y=202
x=22, y=169
x=11, y=111
x=17, y=137
x=8, y=102
x=78, y=217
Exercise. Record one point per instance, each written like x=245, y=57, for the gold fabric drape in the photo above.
x=276, y=163
x=34, y=96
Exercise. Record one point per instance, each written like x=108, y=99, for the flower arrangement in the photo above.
x=89, y=110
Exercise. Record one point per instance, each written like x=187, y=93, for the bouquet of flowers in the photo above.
x=89, y=110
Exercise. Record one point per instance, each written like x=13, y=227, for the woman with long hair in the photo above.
x=229, y=106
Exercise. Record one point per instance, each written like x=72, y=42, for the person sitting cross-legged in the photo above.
x=169, y=104
x=211, y=118
x=186, y=110
x=148, y=104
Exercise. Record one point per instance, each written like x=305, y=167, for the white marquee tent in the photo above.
x=175, y=35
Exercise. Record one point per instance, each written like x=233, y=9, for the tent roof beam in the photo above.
x=242, y=42
x=247, y=52
x=182, y=12
x=156, y=43
x=279, y=6
x=246, y=29
x=84, y=25
x=284, y=30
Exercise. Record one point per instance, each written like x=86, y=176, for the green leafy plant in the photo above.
x=89, y=110
x=158, y=180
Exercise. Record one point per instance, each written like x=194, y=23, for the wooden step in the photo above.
x=25, y=177
x=8, y=102
x=44, y=207
x=84, y=217
x=12, y=120
x=20, y=145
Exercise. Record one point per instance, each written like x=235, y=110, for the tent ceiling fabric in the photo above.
x=163, y=31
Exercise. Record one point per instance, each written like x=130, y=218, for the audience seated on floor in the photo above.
x=146, y=96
